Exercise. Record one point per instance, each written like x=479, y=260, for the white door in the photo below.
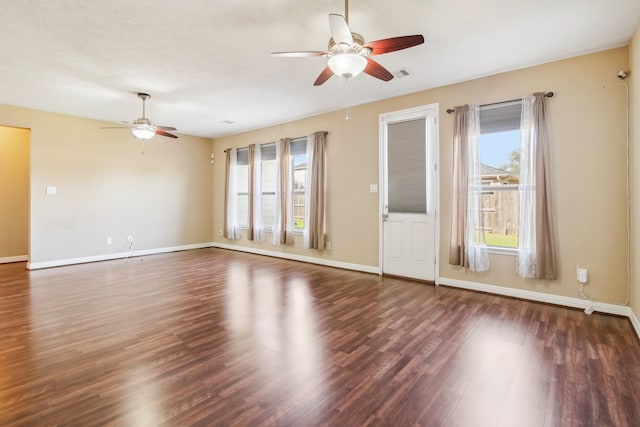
x=408, y=197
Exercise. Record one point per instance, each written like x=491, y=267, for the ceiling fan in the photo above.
x=142, y=128
x=348, y=53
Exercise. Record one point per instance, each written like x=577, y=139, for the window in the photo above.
x=299, y=181
x=500, y=170
x=242, y=186
x=264, y=191
x=268, y=180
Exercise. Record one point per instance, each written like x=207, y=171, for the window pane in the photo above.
x=243, y=193
x=500, y=214
x=268, y=179
x=500, y=168
x=406, y=150
x=299, y=162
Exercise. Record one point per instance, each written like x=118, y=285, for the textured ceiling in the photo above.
x=206, y=63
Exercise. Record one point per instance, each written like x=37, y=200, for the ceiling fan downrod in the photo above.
x=144, y=97
x=346, y=11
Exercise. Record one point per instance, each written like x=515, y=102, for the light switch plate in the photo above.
x=52, y=191
x=373, y=188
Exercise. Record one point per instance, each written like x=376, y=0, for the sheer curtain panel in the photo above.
x=536, y=248
x=255, y=208
x=231, y=226
x=467, y=247
x=315, y=196
x=282, y=229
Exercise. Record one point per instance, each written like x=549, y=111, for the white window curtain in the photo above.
x=231, y=226
x=536, y=249
x=477, y=254
x=256, y=195
x=527, y=232
x=282, y=230
x=467, y=247
x=314, y=203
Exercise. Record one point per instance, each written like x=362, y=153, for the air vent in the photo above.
x=401, y=73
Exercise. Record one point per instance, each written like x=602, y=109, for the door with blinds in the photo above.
x=408, y=197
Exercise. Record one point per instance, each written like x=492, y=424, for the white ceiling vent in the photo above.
x=401, y=73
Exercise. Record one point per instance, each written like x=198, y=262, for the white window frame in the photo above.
x=506, y=187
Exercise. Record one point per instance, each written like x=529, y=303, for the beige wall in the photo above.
x=634, y=82
x=14, y=192
x=588, y=175
x=107, y=187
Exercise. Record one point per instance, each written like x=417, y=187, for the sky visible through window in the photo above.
x=495, y=148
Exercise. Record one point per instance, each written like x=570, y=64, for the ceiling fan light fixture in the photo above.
x=347, y=65
x=143, y=132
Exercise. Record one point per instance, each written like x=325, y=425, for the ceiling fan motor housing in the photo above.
x=356, y=47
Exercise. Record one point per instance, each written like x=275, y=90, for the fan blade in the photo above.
x=163, y=133
x=166, y=128
x=114, y=127
x=379, y=47
x=324, y=76
x=301, y=54
x=378, y=71
x=340, y=29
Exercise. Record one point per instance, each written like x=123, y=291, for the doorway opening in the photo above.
x=15, y=194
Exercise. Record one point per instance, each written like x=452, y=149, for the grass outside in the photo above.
x=505, y=241
x=298, y=223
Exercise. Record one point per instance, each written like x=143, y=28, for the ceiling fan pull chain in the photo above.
x=347, y=83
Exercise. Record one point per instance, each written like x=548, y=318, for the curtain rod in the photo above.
x=548, y=95
x=298, y=137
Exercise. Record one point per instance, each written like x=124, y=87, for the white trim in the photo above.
x=107, y=257
x=19, y=258
x=302, y=258
x=602, y=307
x=634, y=322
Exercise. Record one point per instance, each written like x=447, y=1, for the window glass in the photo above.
x=268, y=183
x=243, y=186
x=407, y=162
x=299, y=180
x=500, y=169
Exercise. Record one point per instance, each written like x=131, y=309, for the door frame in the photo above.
x=429, y=110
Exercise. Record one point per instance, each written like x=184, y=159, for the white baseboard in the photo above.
x=19, y=258
x=107, y=257
x=602, y=307
x=634, y=322
x=303, y=258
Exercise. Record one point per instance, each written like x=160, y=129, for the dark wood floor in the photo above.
x=213, y=337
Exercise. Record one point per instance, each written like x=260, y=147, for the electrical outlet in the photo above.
x=220, y=232
x=327, y=245
x=582, y=275
x=109, y=240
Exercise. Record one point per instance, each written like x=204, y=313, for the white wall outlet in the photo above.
x=220, y=232
x=373, y=188
x=327, y=245
x=582, y=275
x=109, y=240
x=130, y=240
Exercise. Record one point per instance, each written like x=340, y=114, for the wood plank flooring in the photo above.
x=212, y=337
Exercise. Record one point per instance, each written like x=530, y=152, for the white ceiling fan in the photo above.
x=348, y=53
x=142, y=127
